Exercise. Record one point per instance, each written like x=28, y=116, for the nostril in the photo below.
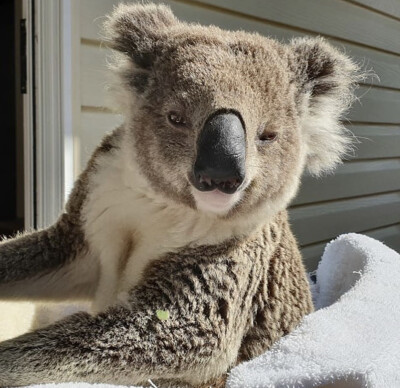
x=205, y=179
x=229, y=186
x=205, y=182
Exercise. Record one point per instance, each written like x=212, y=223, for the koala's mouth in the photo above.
x=215, y=201
x=217, y=196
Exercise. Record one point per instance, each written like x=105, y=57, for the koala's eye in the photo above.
x=177, y=119
x=267, y=137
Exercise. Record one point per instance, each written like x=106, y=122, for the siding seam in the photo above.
x=97, y=109
x=363, y=231
x=372, y=9
x=194, y=3
x=228, y=11
x=376, y=159
x=336, y=200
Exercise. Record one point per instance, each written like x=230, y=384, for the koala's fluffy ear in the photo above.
x=138, y=31
x=326, y=79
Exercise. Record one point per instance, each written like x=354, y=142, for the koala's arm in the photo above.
x=46, y=264
x=55, y=263
x=199, y=341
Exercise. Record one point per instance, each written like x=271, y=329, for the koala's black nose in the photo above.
x=221, y=154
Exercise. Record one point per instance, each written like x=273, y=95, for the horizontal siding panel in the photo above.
x=94, y=76
x=93, y=11
x=312, y=254
x=351, y=180
x=376, y=106
x=388, y=235
x=376, y=141
x=389, y=7
x=94, y=125
x=313, y=223
x=92, y=16
x=334, y=17
x=386, y=66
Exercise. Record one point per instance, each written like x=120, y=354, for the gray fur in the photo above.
x=233, y=283
x=30, y=263
x=216, y=297
x=43, y=264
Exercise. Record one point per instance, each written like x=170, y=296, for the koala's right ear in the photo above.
x=326, y=80
x=138, y=31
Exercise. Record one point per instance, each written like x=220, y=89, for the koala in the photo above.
x=177, y=230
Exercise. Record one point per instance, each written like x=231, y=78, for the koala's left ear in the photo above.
x=326, y=79
x=138, y=31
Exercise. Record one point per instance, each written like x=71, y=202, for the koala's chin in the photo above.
x=215, y=201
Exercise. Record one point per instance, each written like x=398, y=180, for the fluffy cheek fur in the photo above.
x=277, y=175
x=325, y=138
x=164, y=156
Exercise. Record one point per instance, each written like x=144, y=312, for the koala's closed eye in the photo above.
x=266, y=135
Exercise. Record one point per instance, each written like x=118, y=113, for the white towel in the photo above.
x=353, y=340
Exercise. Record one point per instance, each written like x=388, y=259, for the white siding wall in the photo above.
x=364, y=195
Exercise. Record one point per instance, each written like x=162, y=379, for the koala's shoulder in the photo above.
x=110, y=143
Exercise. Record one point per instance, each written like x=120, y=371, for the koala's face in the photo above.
x=218, y=128
x=225, y=121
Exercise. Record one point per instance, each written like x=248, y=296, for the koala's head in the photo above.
x=225, y=122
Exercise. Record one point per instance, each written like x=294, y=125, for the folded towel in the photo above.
x=353, y=340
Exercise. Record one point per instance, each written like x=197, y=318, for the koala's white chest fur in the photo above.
x=127, y=226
